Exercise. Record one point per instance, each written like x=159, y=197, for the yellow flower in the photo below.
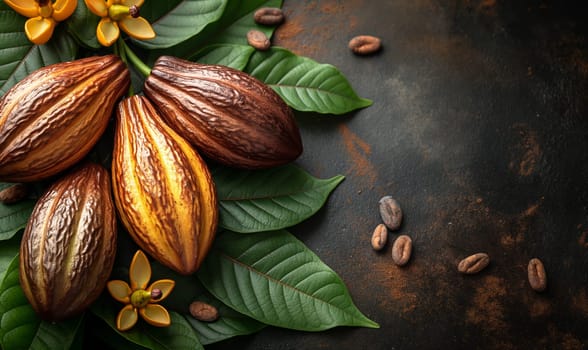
x=119, y=13
x=140, y=299
x=43, y=16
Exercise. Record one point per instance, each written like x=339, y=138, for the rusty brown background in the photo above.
x=479, y=129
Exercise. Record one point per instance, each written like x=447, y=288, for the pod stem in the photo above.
x=127, y=54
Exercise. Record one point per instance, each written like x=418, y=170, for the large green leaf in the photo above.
x=305, y=84
x=230, y=55
x=179, y=335
x=19, y=57
x=8, y=250
x=21, y=328
x=14, y=217
x=183, y=21
x=271, y=199
x=275, y=279
x=82, y=25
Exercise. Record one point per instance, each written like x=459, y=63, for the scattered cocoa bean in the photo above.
x=402, y=250
x=269, y=16
x=203, y=311
x=365, y=44
x=473, y=263
x=258, y=40
x=536, y=275
x=390, y=212
x=379, y=237
x=14, y=193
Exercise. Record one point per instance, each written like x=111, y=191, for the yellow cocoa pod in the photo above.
x=69, y=244
x=52, y=118
x=163, y=189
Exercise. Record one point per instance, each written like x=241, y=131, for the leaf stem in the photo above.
x=143, y=68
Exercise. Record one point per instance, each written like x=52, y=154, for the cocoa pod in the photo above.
x=14, y=193
x=230, y=116
x=163, y=190
x=69, y=244
x=52, y=118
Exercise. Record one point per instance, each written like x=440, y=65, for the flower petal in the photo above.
x=98, y=7
x=39, y=29
x=126, y=318
x=62, y=9
x=165, y=286
x=107, y=32
x=140, y=271
x=155, y=315
x=130, y=3
x=138, y=28
x=119, y=290
x=27, y=8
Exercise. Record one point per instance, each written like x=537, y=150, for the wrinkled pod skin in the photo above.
x=230, y=116
x=52, y=118
x=163, y=190
x=69, y=244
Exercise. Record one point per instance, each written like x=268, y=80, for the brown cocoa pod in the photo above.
x=14, y=193
x=52, y=118
x=402, y=250
x=268, y=16
x=365, y=44
x=379, y=237
x=473, y=263
x=390, y=212
x=258, y=40
x=230, y=116
x=69, y=244
x=163, y=190
x=536, y=275
x=203, y=311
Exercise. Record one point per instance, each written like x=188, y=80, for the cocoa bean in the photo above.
x=536, y=275
x=203, y=311
x=268, y=16
x=365, y=44
x=402, y=250
x=390, y=212
x=14, y=193
x=258, y=40
x=379, y=237
x=473, y=263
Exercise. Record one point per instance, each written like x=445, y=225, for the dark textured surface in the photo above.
x=479, y=130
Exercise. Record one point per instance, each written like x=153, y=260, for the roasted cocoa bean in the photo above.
x=379, y=237
x=269, y=16
x=390, y=212
x=536, y=275
x=14, y=193
x=203, y=311
x=258, y=40
x=365, y=44
x=473, y=263
x=402, y=250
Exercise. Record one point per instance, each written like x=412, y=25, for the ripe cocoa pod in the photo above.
x=69, y=244
x=230, y=116
x=163, y=190
x=52, y=118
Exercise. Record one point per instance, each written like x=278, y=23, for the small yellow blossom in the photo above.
x=140, y=299
x=119, y=13
x=43, y=16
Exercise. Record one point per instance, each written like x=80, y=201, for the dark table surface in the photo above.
x=479, y=129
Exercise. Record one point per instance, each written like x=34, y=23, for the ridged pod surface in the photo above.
x=52, y=118
x=69, y=244
x=163, y=189
x=230, y=116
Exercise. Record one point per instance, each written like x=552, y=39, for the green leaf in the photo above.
x=21, y=328
x=14, y=217
x=230, y=55
x=270, y=199
x=230, y=323
x=19, y=57
x=275, y=279
x=304, y=84
x=179, y=335
x=8, y=250
x=184, y=21
x=82, y=25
